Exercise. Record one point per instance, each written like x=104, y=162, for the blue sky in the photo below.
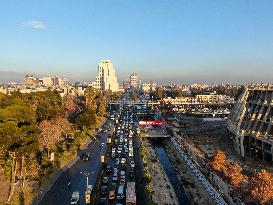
x=169, y=41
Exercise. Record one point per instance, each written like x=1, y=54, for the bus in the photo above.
x=130, y=194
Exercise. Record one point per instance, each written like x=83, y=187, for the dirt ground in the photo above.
x=214, y=134
x=194, y=190
x=163, y=190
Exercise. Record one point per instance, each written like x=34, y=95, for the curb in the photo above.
x=44, y=190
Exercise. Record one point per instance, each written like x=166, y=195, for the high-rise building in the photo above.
x=106, y=78
x=133, y=80
x=30, y=80
x=251, y=122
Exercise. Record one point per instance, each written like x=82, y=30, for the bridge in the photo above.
x=156, y=133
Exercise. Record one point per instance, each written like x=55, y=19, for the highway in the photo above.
x=60, y=193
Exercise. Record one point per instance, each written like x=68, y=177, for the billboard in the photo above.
x=153, y=123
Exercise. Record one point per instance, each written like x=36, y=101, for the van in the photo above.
x=120, y=194
x=75, y=197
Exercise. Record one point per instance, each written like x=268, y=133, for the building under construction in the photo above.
x=251, y=122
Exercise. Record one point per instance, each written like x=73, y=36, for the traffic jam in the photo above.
x=117, y=181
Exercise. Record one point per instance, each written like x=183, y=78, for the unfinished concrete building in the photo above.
x=251, y=122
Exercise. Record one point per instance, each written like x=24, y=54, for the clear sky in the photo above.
x=176, y=41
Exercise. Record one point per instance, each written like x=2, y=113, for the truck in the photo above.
x=130, y=193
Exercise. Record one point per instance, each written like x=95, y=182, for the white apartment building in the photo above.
x=214, y=98
x=133, y=80
x=50, y=81
x=147, y=87
x=106, y=78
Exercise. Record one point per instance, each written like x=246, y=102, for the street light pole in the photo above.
x=85, y=174
x=87, y=178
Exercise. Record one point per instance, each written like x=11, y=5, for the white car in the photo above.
x=75, y=197
x=132, y=164
x=89, y=189
x=123, y=160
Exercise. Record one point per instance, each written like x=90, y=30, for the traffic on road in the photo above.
x=117, y=181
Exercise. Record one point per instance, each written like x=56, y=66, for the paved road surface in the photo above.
x=60, y=193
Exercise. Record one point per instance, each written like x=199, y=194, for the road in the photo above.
x=60, y=193
x=119, y=140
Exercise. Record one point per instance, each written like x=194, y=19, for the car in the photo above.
x=132, y=164
x=117, y=161
x=123, y=160
x=89, y=189
x=120, y=193
x=75, y=197
x=122, y=182
x=103, y=190
x=115, y=176
x=112, y=195
x=105, y=180
x=109, y=169
x=114, y=185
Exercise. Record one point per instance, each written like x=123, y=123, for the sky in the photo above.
x=169, y=41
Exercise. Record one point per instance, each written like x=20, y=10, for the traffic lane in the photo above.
x=60, y=192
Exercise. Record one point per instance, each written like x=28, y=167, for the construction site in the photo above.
x=245, y=138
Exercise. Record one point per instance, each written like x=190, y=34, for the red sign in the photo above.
x=153, y=123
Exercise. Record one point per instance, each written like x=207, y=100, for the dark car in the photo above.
x=109, y=169
x=86, y=156
x=103, y=190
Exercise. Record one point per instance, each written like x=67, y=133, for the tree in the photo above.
x=260, y=186
x=134, y=95
x=234, y=174
x=86, y=120
x=50, y=135
x=218, y=161
x=49, y=106
x=90, y=98
x=101, y=105
x=63, y=124
x=158, y=94
x=69, y=103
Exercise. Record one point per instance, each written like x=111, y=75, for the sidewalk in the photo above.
x=55, y=176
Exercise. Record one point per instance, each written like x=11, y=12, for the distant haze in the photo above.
x=174, y=41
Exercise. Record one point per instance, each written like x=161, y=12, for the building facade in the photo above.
x=106, y=79
x=251, y=122
x=214, y=98
x=148, y=87
x=133, y=80
x=30, y=80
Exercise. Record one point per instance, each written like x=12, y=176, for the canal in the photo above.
x=171, y=173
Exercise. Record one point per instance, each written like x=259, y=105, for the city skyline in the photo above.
x=178, y=42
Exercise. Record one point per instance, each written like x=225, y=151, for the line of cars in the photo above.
x=120, y=169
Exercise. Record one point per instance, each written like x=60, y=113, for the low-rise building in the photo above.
x=149, y=86
x=214, y=98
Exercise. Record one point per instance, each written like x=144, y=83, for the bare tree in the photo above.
x=260, y=186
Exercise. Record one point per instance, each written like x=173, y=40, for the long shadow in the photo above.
x=171, y=172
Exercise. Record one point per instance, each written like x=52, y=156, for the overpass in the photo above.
x=156, y=133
